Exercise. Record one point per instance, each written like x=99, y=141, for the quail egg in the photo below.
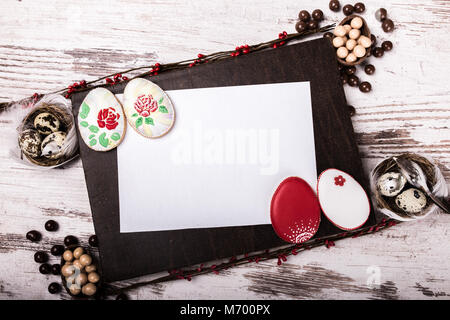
x=411, y=200
x=30, y=143
x=391, y=184
x=52, y=145
x=46, y=123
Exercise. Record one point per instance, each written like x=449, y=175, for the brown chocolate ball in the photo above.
x=334, y=5
x=348, y=9
x=56, y=269
x=51, y=225
x=344, y=78
x=70, y=240
x=353, y=80
x=57, y=250
x=369, y=69
x=350, y=70
x=304, y=16
x=93, y=241
x=387, y=45
x=352, y=110
x=312, y=25
x=301, y=26
x=387, y=25
x=40, y=257
x=365, y=87
x=359, y=7
x=381, y=14
x=45, y=268
x=377, y=52
x=317, y=15
x=373, y=39
x=54, y=287
x=33, y=235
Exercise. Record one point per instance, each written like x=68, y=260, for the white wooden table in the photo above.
x=48, y=44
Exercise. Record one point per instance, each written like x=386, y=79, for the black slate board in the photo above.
x=130, y=255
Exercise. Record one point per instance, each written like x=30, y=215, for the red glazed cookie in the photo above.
x=295, y=211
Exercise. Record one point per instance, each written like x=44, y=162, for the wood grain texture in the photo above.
x=45, y=45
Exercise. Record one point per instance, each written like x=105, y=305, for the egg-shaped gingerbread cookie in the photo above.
x=101, y=120
x=148, y=108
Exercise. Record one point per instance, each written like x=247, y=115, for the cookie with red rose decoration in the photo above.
x=148, y=108
x=101, y=120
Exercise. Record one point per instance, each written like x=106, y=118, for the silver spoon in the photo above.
x=415, y=176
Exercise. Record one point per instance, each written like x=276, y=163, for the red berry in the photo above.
x=125, y=78
x=108, y=80
x=83, y=83
x=246, y=51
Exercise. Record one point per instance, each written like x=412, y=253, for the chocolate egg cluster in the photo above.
x=45, y=138
x=411, y=200
x=350, y=44
x=79, y=272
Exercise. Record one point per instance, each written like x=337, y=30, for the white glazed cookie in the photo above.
x=342, y=199
x=391, y=184
x=148, y=108
x=411, y=200
x=46, y=123
x=52, y=145
x=30, y=143
x=101, y=120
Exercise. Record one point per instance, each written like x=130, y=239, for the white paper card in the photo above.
x=220, y=164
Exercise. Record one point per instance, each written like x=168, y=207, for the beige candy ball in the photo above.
x=93, y=277
x=85, y=259
x=359, y=51
x=338, y=42
x=77, y=264
x=90, y=268
x=356, y=23
x=67, y=270
x=78, y=252
x=81, y=279
x=89, y=289
x=347, y=28
x=339, y=31
x=68, y=255
x=351, y=58
x=75, y=289
x=354, y=34
x=350, y=44
x=342, y=52
x=365, y=41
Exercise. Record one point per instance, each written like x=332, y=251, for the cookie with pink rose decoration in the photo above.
x=342, y=199
x=101, y=120
x=148, y=108
x=295, y=211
